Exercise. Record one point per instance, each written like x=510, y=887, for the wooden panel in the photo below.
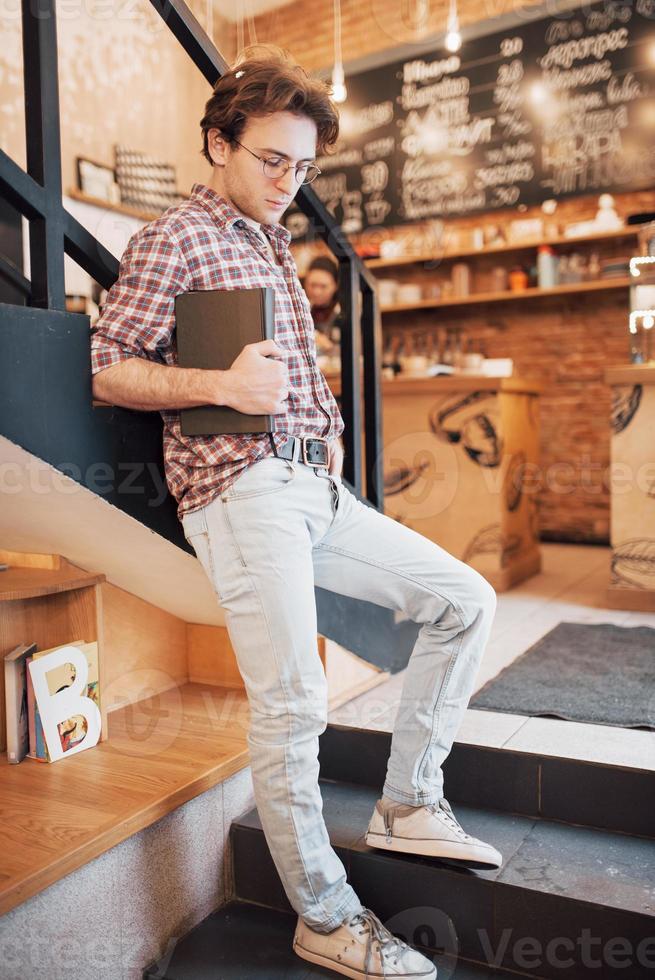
x=637, y=600
x=23, y=583
x=449, y=456
x=444, y=383
x=212, y=660
x=48, y=621
x=459, y=382
x=211, y=657
x=520, y=568
x=321, y=643
x=23, y=559
x=518, y=489
x=631, y=374
x=348, y=675
x=144, y=648
x=632, y=572
x=160, y=753
x=102, y=672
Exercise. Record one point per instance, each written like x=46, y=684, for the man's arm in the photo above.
x=132, y=360
x=257, y=383
x=140, y=384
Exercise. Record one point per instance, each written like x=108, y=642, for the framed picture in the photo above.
x=145, y=182
x=97, y=180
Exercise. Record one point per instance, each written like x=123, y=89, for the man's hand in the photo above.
x=257, y=382
x=336, y=456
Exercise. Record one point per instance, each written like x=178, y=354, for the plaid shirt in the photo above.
x=204, y=243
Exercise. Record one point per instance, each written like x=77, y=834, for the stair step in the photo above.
x=557, y=882
x=241, y=941
x=591, y=794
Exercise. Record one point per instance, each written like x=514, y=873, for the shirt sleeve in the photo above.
x=138, y=317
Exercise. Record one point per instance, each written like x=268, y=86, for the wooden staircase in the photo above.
x=174, y=718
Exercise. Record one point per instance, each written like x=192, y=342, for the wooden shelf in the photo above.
x=630, y=231
x=631, y=374
x=512, y=295
x=61, y=816
x=28, y=583
x=98, y=202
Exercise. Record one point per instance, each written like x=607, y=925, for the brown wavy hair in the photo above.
x=262, y=81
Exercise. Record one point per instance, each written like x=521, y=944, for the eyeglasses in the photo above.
x=276, y=167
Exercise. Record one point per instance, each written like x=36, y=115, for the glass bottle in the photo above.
x=593, y=267
x=447, y=355
x=458, y=352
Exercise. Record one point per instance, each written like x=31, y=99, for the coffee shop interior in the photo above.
x=495, y=177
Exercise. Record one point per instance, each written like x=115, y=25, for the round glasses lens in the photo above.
x=275, y=168
x=310, y=174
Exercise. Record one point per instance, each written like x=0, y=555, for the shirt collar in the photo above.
x=228, y=217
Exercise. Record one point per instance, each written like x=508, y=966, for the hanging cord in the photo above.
x=338, y=58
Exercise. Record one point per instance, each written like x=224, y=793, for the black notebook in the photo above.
x=213, y=326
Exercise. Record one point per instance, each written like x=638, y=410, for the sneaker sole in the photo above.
x=352, y=972
x=426, y=848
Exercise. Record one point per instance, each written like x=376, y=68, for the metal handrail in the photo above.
x=37, y=194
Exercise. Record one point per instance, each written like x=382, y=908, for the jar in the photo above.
x=546, y=267
x=461, y=279
x=387, y=290
x=499, y=279
x=518, y=278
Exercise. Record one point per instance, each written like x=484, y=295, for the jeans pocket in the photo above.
x=265, y=476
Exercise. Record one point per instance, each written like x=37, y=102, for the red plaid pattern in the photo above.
x=204, y=243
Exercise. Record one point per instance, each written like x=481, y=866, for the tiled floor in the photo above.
x=570, y=588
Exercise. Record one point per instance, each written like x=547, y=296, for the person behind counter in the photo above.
x=321, y=285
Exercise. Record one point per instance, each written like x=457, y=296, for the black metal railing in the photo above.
x=37, y=194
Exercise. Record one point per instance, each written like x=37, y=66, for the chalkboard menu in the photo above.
x=557, y=107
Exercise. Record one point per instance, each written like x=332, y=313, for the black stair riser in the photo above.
x=494, y=923
x=586, y=793
x=243, y=941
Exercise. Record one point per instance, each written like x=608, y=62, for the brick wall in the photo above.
x=305, y=28
x=566, y=342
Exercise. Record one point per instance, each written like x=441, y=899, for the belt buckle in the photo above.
x=304, y=450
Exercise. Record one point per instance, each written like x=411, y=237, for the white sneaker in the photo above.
x=362, y=948
x=431, y=830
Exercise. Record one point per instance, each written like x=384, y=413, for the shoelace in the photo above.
x=389, y=944
x=444, y=806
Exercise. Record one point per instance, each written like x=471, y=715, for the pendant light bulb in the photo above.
x=339, y=92
x=453, y=40
x=338, y=79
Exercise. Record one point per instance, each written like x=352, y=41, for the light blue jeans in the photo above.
x=280, y=529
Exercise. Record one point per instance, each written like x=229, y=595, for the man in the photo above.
x=269, y=517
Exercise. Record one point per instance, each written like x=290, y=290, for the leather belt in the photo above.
x=313, y=450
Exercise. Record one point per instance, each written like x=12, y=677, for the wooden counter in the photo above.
x=460, y=382
x=456, y=451
x=632, y=486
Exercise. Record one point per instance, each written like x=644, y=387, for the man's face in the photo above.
x=241, y=177
x=320, y=287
